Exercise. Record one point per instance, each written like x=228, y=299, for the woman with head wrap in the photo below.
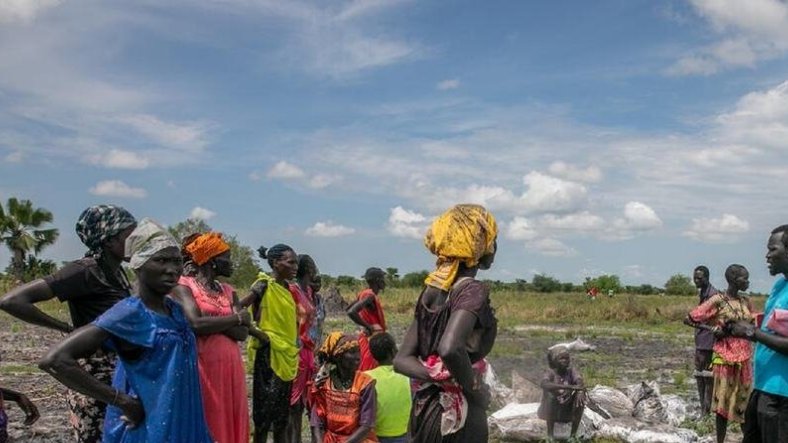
x=367, y=312
x=731, y=363
x=155, y=396
x=301, y=289
x=90, y=285
x=343, y=398
x=454, y=329
x=217, y=319
x=273, y=349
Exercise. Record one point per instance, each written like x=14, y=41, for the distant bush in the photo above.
x=545, y=283
x=679, y=284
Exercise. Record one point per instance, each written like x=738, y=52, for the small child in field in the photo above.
x=563, y=392
x=393, y=391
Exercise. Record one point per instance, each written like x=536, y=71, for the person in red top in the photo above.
x=214, y=313
x=732, y=360
x=305, y=308
x=367, y=312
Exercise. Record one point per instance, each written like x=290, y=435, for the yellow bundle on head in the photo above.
x=463, y=234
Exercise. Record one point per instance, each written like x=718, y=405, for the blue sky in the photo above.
x=631, y=137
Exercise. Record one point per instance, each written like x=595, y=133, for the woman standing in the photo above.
x=367, y=312
x=217, y=319
x=454, y=329
x=305, y=306
x=273, y=349
x=156, y=349
x=344, y=399
x=90, y=285
x=732, y=360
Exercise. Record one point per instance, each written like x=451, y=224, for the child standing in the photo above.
x=563, y=392
x=393, y=391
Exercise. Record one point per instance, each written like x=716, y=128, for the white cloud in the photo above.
x=201, y=213
x=550, y=194
x=406, y=223
x=581, y=221
x=760, y=119
x=320, y=181
x=725, y=229
x=190, y=136
x=445, y=85
x=520, y=228
x=285, y=171
x=638, y=217
x=24, y=11
x=119, y=159
x=328, y=229
x=750, y=31
x=591, y=174
x=551, y=247
x=117, y=188
x=14, y=157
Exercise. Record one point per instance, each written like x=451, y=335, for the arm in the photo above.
x=20, y=302
x=255, y=295
x=747, y=330
x=705, y=312
x=354, y=309
x=237, y=333
x=407, y=360
x=452, y=351
x=367, y=414
x=61, y=362
x=317, y=425
x=203, y=325
x=30, y=410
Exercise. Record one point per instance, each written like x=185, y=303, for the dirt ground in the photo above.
x=622, y=357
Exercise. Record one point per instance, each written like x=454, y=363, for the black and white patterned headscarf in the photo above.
x=99, y=223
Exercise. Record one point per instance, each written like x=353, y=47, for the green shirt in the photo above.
x=393, y=402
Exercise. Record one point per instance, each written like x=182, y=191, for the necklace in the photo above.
x=341, y=384
x=212, y=287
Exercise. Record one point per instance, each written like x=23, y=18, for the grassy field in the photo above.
x=637, y=338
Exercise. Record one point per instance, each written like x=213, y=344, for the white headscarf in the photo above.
x=146, y=240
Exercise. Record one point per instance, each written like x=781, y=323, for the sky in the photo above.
x=625, y=137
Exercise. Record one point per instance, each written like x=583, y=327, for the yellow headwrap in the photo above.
x=337, y=343
x=206, y=247
x=463, y=234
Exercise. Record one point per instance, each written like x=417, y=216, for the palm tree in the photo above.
x=19, y=224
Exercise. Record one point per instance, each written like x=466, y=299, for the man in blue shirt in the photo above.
x=766, y=419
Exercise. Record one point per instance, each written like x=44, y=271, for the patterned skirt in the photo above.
x=732, y=388
x=87, y=413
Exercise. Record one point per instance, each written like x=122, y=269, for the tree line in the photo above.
x=24, y=230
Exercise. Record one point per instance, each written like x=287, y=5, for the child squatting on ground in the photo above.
x=563, y=392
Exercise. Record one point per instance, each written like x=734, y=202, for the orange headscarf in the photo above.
x=206, y=247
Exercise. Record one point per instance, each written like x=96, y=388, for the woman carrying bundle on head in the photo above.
x=454, y=329
x=90, y=285
x=272, y=351
x=367, y=312
x=219, y=322
x=344, y=399
x=155, y=396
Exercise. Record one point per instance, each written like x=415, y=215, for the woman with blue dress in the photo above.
x=155, y=395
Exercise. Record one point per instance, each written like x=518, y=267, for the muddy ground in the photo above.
x=623, y=356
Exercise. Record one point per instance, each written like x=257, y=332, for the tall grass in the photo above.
x=513, y=309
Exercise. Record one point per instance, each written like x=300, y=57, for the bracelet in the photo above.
x=115, y=399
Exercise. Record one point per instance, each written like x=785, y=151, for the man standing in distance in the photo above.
x=766, y=418
x=704, y=343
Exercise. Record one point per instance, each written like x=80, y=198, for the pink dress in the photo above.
x=306, y=357
x=222, y=376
